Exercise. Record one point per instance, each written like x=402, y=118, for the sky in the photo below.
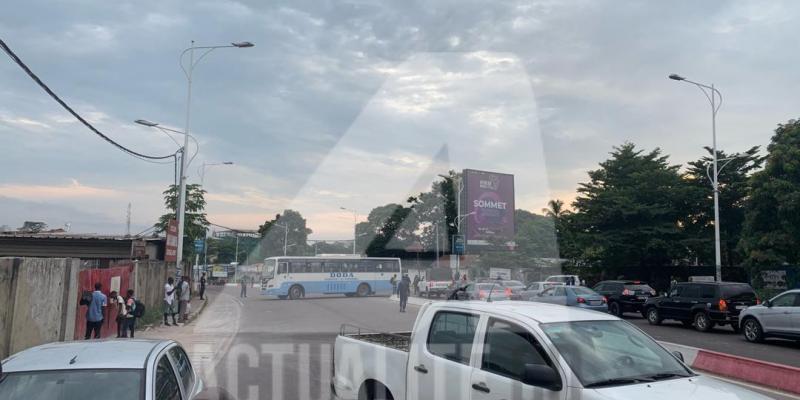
x=357, y=104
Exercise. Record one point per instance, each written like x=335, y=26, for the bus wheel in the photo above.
x=295, y=292
x=363, y=290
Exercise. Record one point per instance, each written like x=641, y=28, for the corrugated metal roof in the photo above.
x=76, y=236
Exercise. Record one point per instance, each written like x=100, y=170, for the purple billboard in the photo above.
x=489, y=206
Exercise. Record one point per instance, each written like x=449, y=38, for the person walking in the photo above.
x=118, y=306
x=243, y=286
x=130, y=317
x=169, y=302
x=202, y=285
x=403, y=289
x=393, y=282
x=184, y=299
x=95, y=312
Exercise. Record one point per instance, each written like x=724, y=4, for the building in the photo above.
x=240, y=233
x=100, y=251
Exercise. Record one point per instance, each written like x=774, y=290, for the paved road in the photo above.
x=257, y=348
x=722, y=339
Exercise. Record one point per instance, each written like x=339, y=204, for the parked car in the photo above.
x=574, y=296
x=130, y=369
x=534, y=288
x=624, y=296
x=483, y=291
x=515, y=350
x=702, y=304
x=778, y=317
x=573, y=280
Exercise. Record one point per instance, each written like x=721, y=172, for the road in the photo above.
x=258, y=348
x=723, y=340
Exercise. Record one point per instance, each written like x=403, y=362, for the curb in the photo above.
x=764, y=373
x=200, y=308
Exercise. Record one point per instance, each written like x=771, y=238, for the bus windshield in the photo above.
x=269, y=269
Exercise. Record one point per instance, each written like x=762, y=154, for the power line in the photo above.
x=55, y=97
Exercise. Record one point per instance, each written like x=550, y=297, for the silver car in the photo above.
x=778, y=317
x=100, y=370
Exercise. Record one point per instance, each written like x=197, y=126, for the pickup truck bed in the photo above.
x=398, y=341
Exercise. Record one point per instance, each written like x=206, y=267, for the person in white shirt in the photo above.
x=122, y=313
x=184, y=299
x=169, y=302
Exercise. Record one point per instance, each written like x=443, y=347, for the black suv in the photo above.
x=624, y=296
x=702, y=304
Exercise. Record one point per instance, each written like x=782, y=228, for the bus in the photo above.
x=297, y=277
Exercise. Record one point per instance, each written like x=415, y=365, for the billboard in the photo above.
x=172, y=242
x=489, y=207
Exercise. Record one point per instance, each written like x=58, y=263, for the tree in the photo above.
x=196, y=222
x=388, y=230
x=629, y=211
x=771, y=233
x=734, y=189
x=32, y=227
x=273, y=234
x=223, y=250
x=437, y=206
x=535, y=240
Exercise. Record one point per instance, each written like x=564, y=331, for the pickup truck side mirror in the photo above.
x=678, y=355
x=542, y=376
x=767, y=303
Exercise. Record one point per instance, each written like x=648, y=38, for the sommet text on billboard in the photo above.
x=489, y=209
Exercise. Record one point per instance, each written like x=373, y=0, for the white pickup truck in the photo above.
x=461, y=350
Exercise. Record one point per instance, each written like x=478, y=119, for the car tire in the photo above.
x=363, y=290
x=615, y=309
x=753, y=332
x=295, y=292
x=653, y=316
x=702, y=323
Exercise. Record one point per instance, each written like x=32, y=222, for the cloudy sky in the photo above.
x=356, y=103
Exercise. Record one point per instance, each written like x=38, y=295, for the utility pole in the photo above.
x=128, y=222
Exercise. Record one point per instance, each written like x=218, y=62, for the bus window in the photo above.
x=314, y=266
x=332, y=266
x=394, y=266
x=298, y=267
x=283, y=268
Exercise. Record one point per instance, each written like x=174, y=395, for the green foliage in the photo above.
x=273, y=235
x=771, y=233
x=222, y=251
x=437, y=206
x=734, y=188
x=196, y=222
x=535, y=241
x=390, y=234
x=628, y=213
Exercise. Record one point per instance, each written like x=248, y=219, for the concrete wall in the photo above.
x=150, y=277
x=37, y=308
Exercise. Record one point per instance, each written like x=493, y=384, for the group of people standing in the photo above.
x=123, y=309
x=181, y=306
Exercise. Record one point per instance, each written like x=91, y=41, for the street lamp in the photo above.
x=166, y=131
x=355, y=225
x=188, y=72
x=711, y=94
x=202, y=170
x=285, y=235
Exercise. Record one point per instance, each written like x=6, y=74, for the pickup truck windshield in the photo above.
x=74, y=384
x=611, y=351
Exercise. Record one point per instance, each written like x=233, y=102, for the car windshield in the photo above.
x=512, y=283
x=74, y=384
x=639, y=288
x=606, y=351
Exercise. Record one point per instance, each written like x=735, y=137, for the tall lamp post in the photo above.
x=188, y=70
x=458, y=220
x=355, y=225
x=711, y=94
x=285, y=235
x=202, y=170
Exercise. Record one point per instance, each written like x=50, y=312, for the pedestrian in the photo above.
x=202, y=285
x=393, y=282
x=415, y=285
x=95, y=312
x=464, y=278
x=118, y=305
x=403, y=289
x=130, y=317
x=243, y=286
x=169, y=302
x=184, y=299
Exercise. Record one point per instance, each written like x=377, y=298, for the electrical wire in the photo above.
x=55, y=97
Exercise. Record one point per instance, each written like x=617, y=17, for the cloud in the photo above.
x=73, y=189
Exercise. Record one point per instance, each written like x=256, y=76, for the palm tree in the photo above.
x=555, y=209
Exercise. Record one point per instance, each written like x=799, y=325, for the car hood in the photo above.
x=694, y=388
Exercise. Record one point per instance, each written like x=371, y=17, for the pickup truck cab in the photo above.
x=462, y=350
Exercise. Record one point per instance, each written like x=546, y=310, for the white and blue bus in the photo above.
x=296, y=277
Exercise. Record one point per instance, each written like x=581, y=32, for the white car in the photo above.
x=515, y=350
x=778, y=317
x=130, y=369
